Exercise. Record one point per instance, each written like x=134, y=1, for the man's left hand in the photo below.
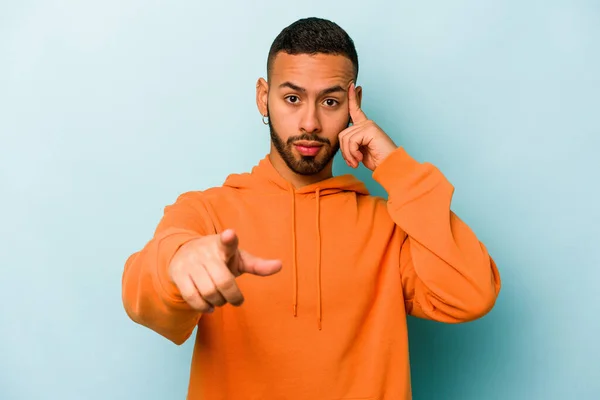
x=364, y=141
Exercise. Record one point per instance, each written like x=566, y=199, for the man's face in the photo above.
x=307, y=105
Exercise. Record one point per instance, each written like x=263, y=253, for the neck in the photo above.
x=295, y=179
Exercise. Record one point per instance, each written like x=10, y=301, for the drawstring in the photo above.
x=295, y=261
x=319, y=308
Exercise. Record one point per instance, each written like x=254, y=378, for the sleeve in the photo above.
x=149, y=297
x=447, y=273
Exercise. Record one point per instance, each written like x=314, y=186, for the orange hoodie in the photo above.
x=332, y=323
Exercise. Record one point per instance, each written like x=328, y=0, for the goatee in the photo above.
x=304, y=165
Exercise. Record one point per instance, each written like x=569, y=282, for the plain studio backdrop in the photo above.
x=110, y=109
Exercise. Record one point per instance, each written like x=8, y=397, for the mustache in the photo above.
x=308, y=137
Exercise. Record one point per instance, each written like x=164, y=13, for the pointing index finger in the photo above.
x=356, y=114
x=228, y=243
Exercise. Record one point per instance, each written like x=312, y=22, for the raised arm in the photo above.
x=447, y=273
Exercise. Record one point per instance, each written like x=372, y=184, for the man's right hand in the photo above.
x=204, y=270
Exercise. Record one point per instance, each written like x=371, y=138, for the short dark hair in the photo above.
x=312, y=36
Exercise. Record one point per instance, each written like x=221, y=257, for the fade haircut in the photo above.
x=313, y=36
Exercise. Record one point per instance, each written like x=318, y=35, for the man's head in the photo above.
x=310, y=66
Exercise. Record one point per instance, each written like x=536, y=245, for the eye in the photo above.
x=331, y=102
x=292, y=99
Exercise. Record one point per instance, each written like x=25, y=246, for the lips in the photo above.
x=307, y=148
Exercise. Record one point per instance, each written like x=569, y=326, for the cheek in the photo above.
x=333, y=125
x=283, y=122
x=281, y=112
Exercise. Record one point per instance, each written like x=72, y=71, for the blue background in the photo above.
x=110, y=109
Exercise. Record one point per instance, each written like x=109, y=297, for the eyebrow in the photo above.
x=329, y=90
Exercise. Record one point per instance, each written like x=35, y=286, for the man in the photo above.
x=300, y=282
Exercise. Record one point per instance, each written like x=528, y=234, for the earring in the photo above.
x=263, y=120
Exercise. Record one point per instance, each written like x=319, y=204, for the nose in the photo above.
x=310, y=122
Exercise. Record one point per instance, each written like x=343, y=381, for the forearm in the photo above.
x=149, y=297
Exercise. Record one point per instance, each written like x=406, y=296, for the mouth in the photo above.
x=308, y=148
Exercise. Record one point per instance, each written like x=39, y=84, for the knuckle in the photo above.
x=226, y=284
x=204, y=307
x=204, y=251
x=214, y=297
x=193, y=299
x=220, y=301
x=210, y=293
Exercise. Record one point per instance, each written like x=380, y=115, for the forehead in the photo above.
x=312, y=71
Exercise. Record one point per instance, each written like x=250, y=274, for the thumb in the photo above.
x=257, y=266
x=228, y=243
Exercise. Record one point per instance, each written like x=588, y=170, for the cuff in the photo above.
x=405, y=179
x=396, y=165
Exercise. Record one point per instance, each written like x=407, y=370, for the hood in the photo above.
x=264, y=177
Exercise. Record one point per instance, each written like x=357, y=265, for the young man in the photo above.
x=300, y=282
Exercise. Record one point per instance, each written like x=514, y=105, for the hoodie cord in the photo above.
x=319, y=308
x=294, y=261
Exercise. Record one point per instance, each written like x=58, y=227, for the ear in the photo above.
x=359, y=95
x=262, y=96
